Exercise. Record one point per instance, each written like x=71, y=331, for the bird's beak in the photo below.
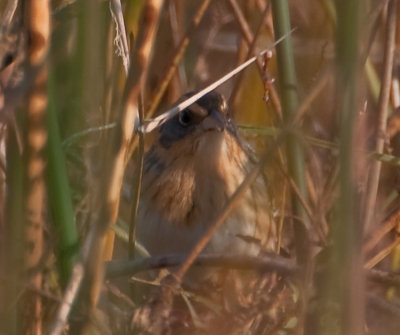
x=214, y=121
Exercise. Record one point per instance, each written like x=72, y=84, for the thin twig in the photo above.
x=137, y=185
x=317, y=88
x=382, y=254
x=301, y=198
x=317, y=198
x=88, y=131
x=276, y=263
x=383, y=277
x=382, y=111
x=71, y=291
x=376, y=236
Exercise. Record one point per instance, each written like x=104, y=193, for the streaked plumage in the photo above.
x=193, y=167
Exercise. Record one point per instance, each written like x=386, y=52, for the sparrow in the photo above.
x=195, y=164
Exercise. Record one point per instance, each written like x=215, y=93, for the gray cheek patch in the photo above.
x=171, y=131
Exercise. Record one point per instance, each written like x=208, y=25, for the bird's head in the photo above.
x=199, y=129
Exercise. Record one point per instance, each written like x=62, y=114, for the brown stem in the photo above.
x=382, y=254
x=382, y=111
x=38, y=26
x=382, y=231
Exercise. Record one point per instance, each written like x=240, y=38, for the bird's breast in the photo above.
x=180, y=201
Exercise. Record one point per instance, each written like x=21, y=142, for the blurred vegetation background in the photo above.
x=73, y=74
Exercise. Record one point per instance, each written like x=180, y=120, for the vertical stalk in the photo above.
x=345, y=281
x=348, y=232
x=289, y=97
x=137, y=185
x=60, y=200
x=37, y=14
x=294, y=149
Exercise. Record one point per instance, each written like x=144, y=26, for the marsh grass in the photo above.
x=319, y=107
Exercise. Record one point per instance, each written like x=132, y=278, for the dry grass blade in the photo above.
x=388, y=226
x=383, y=110
x=301, y=199
x=315, y=91
x=137, y=184
x=121, y=40
x=74, y=284
x=71, y=291
x=382, y=254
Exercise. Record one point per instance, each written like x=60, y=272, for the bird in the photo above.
x=191, y=170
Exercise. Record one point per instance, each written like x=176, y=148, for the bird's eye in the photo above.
x=184, y=118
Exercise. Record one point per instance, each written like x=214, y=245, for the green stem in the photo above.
x=345, y=282
x=294, y=149
x=60, y=201
x=290, y=104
